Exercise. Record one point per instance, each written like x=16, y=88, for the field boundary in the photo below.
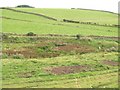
x=94, y=10
x=4, y=17
x=90, y=23
x=63, y=19
x=60, y=35
x=44, y=16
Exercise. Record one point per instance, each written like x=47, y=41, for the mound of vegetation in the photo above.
x=24, y=6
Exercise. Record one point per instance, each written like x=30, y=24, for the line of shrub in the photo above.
x=91, y=23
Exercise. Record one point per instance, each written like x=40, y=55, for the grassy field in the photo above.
x=31, y=72
x=39, y=52
x=77, y=14
x=45, y=26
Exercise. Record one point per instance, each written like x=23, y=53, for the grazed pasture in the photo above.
x=39, y=52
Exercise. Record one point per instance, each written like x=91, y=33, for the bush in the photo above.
x=78, y=36
x=31, y=34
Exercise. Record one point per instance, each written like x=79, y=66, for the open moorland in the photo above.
x=59, y=48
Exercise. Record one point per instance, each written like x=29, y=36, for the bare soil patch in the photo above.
x=30, y=53
x=111, y=63
x=27, y=53
x=68, y=69
x=76, y=48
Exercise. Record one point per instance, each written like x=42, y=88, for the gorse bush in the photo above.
x=78, y=36
x=31, y=34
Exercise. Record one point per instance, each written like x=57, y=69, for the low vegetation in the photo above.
x=42, y=50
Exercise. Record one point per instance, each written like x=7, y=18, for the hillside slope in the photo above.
x=77, y=14
x=29, y=22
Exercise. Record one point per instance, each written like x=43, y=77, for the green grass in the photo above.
x=25, y=27
x=96, y=78
x=22, y=16
x=23, y=72
x=42, y=25
x=75, y=14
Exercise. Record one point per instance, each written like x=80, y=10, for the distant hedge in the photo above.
x=24, y=6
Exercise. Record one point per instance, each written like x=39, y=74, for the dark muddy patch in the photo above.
x=27, y=53
x=109, y=62
x=68, y=69
x=76, y=48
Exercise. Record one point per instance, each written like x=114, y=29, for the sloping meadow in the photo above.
x=59, y=48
